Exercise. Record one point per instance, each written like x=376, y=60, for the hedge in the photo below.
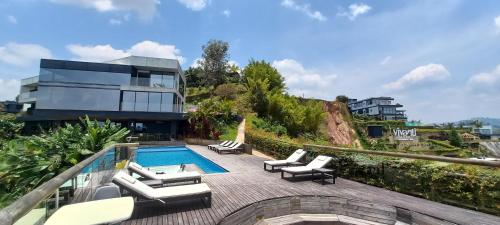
x=466, y=186
x=269, y=144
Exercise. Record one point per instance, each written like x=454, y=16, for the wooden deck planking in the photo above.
x=247, y=183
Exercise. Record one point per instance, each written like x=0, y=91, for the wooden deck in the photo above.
x=247, y=183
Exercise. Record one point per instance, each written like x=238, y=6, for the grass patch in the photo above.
x=229, y=132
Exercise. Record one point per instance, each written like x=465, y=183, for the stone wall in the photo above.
x=276, y=207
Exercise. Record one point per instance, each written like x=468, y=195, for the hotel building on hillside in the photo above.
x=145, y=94
x=377, y=107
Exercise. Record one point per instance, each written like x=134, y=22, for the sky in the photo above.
x=440, y=59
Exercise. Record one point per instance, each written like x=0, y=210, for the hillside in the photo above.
x=339, y=124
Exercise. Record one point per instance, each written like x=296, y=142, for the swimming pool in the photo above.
x=165, y=156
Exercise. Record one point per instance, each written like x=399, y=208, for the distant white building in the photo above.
x=377, y=107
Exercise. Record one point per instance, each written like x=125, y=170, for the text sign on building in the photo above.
x=405, y=134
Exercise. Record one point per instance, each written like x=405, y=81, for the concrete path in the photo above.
x=240, y=137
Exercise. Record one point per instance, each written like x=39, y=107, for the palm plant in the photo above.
x=27, y=162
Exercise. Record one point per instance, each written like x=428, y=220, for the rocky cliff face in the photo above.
x=340, y=130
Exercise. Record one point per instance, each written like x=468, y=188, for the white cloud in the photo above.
x=301, y=81
x=102, y=53
x=22, y=54
x=119, y=21
x=421, y=75
x=485, y=82
x=9, y=89
x=196, y=62
x=195, y=5
x=12, y=19
x=226, y=13
x=96, y=53
x=304, y=8
x=145, y=9
x=115, y=21
x=386, y=60
x=355, y=10
x=497, y=23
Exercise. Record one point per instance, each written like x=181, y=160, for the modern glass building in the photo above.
x=145, y=94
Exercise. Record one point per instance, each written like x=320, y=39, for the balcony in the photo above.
x=30, y=81
x=28, y=97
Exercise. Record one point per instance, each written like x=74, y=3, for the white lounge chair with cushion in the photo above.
x=319, y=162
x=232, y=149
x=223, y=144
x=293, y=158
x=164, y=194
x=164, y=177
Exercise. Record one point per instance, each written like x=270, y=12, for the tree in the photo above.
x=455, y=138
x=342, y=98
x=260, y=70
x=214, y=61
x=194, y=77
x=258, y=91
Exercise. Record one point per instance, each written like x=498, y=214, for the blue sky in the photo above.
x=441, y=59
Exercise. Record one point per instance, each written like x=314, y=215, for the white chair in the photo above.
x=163, y=194
x=294, y=157
x=223, y=144
x=232, y=149
x=166, y=177
x=319, y=162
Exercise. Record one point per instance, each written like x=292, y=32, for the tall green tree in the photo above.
x=455, y=138
x=260, y=70
x=194, y=77
x=214, y=61
x=258, y=90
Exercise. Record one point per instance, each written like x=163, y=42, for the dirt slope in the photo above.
x=339, y=126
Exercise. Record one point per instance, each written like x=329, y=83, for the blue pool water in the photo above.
x=166, y=156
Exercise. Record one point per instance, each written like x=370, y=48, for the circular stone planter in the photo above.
x=319, y=210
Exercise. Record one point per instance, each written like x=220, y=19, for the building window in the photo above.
x=169, y=80
x=156, y=81
x=154, y=102
x=167, y=102
x=141, y=101
x=150, y=102
x=128, y=101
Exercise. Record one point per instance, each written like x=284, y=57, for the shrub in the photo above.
x=229, y=91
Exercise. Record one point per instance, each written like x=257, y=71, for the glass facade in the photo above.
x=141, y=102
x=69, y=85
x=167, y=102
x=154, y=104
x=148, y=101
x=128, y=101
x=84, y=77
x=154, y=79
x=71, y=98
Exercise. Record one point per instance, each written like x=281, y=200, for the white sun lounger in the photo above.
x=166, y=177
x=294, y=157
x=163, y=194
x=319, y=162
x=107, y=211
x=223, y=144
x=236, y=147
